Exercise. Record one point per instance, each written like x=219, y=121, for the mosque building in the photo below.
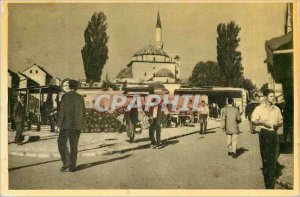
x=152, y=63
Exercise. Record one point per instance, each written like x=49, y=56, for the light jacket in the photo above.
x=232, y=118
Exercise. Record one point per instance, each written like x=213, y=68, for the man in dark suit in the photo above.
x=19, y=114
x=155, y=121
x=70, y=122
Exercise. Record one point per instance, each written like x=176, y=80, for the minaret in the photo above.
x=158, y=31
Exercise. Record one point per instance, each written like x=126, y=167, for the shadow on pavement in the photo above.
x=142, y=140
x=88, y=144
x=89, y=165
x=100, y=146
x=167, y=143
x=139, y=140
x=36, y=138
x=145, y=146
x=30, y=165
x=208, y=132
x=111, y=139
x=241, y=151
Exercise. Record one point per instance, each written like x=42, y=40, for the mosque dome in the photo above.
x=151, y=50
x=164, y=73
x=125, y=73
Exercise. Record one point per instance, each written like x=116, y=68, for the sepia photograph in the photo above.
x=149, y=98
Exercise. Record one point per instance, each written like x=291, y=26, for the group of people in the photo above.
x=215, y=111
x=265, y=116
x=71, y=121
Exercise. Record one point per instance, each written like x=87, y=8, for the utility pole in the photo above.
x=288, y=27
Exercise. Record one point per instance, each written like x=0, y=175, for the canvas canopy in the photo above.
x=279, y=45
x=280, y=57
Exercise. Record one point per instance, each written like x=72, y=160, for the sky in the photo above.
x=51, y=35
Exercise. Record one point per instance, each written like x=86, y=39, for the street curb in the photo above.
x=93, y=154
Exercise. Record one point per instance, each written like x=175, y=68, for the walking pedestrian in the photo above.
x=267, y=116
x=131, y=120
x=53, y=119
x=70, y=122
x=232, y=117
x=214, y=112
x=155, y=128
x=203, y=116
x=19, y=114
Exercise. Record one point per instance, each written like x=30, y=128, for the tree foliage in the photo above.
x=95, y=51
x=229, y=58
x=108, y=85
x=206, y=74
x=264, y=87
x=248, y=85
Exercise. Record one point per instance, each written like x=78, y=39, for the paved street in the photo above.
x=190, y=162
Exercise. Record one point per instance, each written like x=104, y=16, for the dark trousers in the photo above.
x=52, y=124
x=269, y=150
x=154, y=127
x=203, y=123
x=19, y=131
x=68, y=158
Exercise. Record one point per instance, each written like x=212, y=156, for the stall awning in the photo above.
x=42, y=89
x=279, y=45
x=280, y=57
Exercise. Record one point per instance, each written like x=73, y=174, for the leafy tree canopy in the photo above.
x=95, y=51
x=264, y=87
x=206, y=74
x=229, y=58
x=249, y=86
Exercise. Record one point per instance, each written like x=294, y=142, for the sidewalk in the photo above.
x=43, y=144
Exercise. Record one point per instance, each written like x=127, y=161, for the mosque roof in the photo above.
x=164, y=73
x=151, y=50
x=125, y=73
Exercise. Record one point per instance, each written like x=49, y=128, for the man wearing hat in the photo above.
x=70, y=122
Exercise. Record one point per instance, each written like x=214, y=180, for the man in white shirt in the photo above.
x=203, y=115
x=268, y=118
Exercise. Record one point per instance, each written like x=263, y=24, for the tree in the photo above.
x=249, y=86
x=95, y=51
x=206, y=74
x=264, y=87
x=229, y=59
x=108, y=85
